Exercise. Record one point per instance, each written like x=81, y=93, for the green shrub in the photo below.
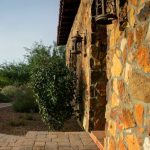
x=24, y=100
x=14, y=74
x=4, y=98
x=52, y=82
x=4, y=81
x=53, y=85
x=10, y=91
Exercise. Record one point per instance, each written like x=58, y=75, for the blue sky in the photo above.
x=22, y=22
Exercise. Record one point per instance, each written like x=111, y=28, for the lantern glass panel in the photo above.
x=105, y=11
x=76, y=44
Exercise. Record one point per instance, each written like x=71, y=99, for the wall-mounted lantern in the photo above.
x=76, y=44
x=105, y=11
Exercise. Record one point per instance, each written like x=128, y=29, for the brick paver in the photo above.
x=34, y=140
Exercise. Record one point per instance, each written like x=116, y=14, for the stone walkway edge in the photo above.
x=44, y=140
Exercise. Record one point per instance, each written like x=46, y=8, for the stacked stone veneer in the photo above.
x=128, y=88
x=122, y=51
x=90, y=67
x=98, y=78
x=80, y=62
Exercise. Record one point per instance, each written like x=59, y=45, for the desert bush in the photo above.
x=14, y=74
x=4, y=98
x=4, y=81
x=10, y=91
x=24, y=100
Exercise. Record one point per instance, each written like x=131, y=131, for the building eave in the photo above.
x=67, y=13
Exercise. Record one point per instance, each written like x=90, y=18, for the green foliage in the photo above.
x=10, y=91
x=4, y=81
x=19, y=73
x=37, y=54
x=51, y=81
x=4, y=98
x=24, y=100
x=11, y=74
x=53, y=85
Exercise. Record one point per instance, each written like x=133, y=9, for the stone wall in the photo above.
x=90, y=67
x=117, y=55
x=128, y=72
x=82, y=23
x=98, y=78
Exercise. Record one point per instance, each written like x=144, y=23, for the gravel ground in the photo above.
x=3, y=105
x=28, y=122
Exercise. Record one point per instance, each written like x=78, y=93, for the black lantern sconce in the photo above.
x=105, y=11
x=76, y=44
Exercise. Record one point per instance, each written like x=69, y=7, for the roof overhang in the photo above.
x=67, y=13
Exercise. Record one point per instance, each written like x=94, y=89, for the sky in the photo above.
x=23, y=22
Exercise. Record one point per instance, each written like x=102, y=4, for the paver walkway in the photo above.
x=48, y=141
x=3, y=105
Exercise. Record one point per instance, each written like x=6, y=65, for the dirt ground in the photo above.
x=20, y=123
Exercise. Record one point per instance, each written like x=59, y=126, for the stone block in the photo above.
x=115, y=112
x=143, y=58
x=146, y=144
x=116, y=69
x=140, y=34
x=127, y=72
x=138, y=113
x=144, y=14
x=114, y=100
x=121, y=87
x=130, y=38
x=111, y=144
x=121, y=145
x=123, y=44
x=147, y=38
x=134, y=2
x=128, y=118
x=115, y=86
x=132, y=17
x=139, y=86
x=112, y=128
x=124, y=56
x=112, y=41
x=132, y=142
